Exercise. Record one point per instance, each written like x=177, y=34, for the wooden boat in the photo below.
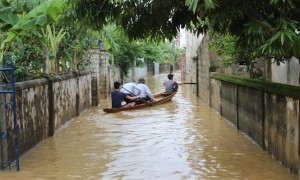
x=160, y=98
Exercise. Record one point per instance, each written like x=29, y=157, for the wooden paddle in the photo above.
x=188, y=83
x=144, y=101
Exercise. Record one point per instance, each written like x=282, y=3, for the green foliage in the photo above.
x=282, y=42
x=95, y=13
x=151, y=52
x=127, y=51
x=224, y=46
x=22, y=18
x=126, y=54
x=27, y=58
x=39, y=16
x=54, y=38
x=21, y=22
x=171, y=54
x=78, y=40
x=192, y=4
x=164, y=53
x=266, y=25
x=156, y=19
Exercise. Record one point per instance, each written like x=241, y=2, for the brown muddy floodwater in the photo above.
x=182, y=139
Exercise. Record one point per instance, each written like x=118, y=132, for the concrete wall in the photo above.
x=168, y=68
x=205, y=65
x=44, y=105
x=156, y=68
x=137, y=72
x=164, y=68
x=228, y=102
x=64, y=91
x=104, y=73
x=286, y=72
x=84, y=96
x=191, y=52
x=32, y=99
x=152, y=69
x=250, y=112
x=198, y=63
x=93, y=56
x=266, y=112
x=215, y=94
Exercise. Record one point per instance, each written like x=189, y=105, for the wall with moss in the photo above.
x=267, y=112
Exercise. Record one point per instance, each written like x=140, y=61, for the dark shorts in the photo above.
x=128, y=100
x=175, y=88
x=139, y=101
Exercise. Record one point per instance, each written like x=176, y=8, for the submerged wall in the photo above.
x=44, y=105
x=266, y=112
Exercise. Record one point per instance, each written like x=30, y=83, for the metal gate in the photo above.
x=9, y=145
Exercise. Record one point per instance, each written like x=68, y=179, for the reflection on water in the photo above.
x=182, y=139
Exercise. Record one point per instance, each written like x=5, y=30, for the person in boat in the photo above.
x=146, y=94
x=131, y=89
x=117, y=97
x=170, y=85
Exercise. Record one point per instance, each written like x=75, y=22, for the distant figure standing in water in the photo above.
x=170, y=85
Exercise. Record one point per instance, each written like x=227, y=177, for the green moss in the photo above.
x=266, y=86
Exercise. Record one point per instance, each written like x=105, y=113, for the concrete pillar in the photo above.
x=103, y=75
x=101, y=71
x=93, y=57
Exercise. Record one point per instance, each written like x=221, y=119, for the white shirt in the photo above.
x=131, y=87
x=144, y=91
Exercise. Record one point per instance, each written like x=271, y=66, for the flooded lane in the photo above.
x=182, y=139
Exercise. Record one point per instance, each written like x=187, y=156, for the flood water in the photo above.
x=182, y=139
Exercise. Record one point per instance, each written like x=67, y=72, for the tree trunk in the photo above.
x=74, y=62
x=46, y=68
x=56, y=66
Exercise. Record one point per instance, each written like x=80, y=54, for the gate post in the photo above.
x=99, y=67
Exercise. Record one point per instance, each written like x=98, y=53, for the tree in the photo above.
x=53, y=40
x=151, y=52
x=266, y=25
x=20, y=18
x=157, y=19
x=126, y=54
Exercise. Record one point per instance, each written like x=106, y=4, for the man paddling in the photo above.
x=171, y=85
